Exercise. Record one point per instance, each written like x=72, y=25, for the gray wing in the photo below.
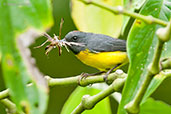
x=103, y=43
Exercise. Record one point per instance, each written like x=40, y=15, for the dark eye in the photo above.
x=74, y=38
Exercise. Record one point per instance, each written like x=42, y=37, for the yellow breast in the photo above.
x=102, y=60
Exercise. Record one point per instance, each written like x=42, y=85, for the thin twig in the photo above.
x=121, y=10
x=88, y=102
x=153, y=69
x=75, y=80
x=10, y=106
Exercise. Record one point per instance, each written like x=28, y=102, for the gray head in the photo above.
x=77, y=37
x=94, y=42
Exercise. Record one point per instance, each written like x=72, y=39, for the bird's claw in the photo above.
x=105, y=77
x=84, y=75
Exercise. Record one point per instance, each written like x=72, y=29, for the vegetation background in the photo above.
x=67, y=64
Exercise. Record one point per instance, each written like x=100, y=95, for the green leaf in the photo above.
x=133, y=4
x=155, y=83
x=0, y=55
x=89, y=18
x=130, y=5
x=103, y=107
x=151, y=106
x=17, y=16
x=141, y=44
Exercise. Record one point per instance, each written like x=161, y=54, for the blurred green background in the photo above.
x=67, y=64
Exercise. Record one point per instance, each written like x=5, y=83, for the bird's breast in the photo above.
x=102, y=60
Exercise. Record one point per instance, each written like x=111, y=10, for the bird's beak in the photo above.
x=64, y=39
x=65, y=42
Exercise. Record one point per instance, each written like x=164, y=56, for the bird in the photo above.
x=100, y=51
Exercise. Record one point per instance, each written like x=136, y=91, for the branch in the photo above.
x=121, y=10
x=4, y=94
x=164, y=35
x=166, y=63
x=75, y=80
x=88, y=102
x=10, y=106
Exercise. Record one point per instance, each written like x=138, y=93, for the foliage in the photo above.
x=28, y=90
x=93, y=19
x=142, y=37
x=18, y=16
x=75, y=99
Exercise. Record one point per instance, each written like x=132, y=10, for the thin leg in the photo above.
x=109, y=71
x=85, y=75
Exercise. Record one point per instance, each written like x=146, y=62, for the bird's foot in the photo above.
x=106, y=76
x=108, y=72
x=85, y=75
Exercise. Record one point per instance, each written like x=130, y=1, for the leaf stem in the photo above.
x=4, y=94
x=79, y=109
x=75, y=80
x=89, y=80
x=133, y=106
x=88, y=102
x=166, y=63
x=121, y=10
x=10, y=106
x=163, y=34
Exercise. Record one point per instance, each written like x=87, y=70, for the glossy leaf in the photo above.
x=141, y=44
x=155, y=83
x=89, y=18
x=133, y=5
x=130, y=5
x=17, y=16
x=103, y=107
x=154, y=107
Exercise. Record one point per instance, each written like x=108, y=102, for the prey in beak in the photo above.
x=56, y=41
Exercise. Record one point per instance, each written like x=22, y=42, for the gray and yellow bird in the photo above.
x=100, y=51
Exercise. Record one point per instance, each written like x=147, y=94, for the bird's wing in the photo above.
x=103, y=43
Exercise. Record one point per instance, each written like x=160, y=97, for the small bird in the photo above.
x=99, y=51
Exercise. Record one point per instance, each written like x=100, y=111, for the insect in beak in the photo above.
x=57, y=42
x=54, y=42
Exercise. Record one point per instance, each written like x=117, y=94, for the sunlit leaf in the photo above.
x=89, y=18
x=155, y=83
x=150, y=106
x=130, y=5
x=16, y=17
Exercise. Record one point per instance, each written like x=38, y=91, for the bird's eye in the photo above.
x=74, y=38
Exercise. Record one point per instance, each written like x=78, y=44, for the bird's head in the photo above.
x=77, y=37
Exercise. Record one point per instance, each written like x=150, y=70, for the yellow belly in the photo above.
x=103, y=60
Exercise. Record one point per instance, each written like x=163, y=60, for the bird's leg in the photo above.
x=109, y=71
x=85, y=75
